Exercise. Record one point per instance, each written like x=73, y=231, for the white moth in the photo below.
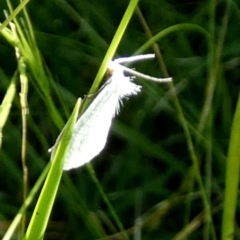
x=91, y=129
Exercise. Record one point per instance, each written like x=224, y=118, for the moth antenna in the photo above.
x=134, y=58
x=113, y=65
x=145, y=76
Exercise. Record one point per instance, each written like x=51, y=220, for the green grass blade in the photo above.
x=14, y=14
x=109, y=55
x=6, y=105
x=39, y=220
x=232, y=178
x=170, y=30
x=114, y=44
x=14, y=224
x=32, y=58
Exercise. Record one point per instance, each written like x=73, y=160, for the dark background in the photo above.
x=146, y=167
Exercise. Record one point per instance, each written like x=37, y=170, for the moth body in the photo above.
x=91, y=129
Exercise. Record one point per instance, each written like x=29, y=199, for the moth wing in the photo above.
x=91, y=130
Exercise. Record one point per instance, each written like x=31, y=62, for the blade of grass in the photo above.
x=39, y=220
x=108, y=203
x=14, y=14
x=24, y=110
x=6, y=105
x=155, y=46
x=32, y=58
x=191, y=148
x=170, y=30
x=109, y=55
x=9, y=233
x=232, y=178
x=114, y=44
x=41, y=77
x=7, y=34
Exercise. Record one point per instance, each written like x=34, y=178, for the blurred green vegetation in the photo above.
x=163, y=168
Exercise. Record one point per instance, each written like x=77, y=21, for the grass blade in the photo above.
x=38, y=223
x=232, y=178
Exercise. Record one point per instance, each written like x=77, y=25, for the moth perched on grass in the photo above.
x=91, y=129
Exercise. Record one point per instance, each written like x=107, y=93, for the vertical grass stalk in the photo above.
x=232, y=178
